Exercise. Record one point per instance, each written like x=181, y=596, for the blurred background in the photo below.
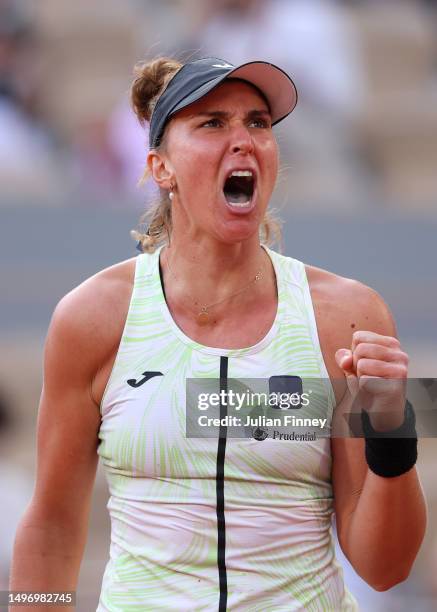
x=357, y=189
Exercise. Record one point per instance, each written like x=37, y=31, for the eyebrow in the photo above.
x=224, y=115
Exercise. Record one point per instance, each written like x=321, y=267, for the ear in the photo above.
x=160, y=169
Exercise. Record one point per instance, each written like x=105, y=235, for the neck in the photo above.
x=208, y=272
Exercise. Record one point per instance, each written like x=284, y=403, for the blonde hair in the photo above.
x=155, y=226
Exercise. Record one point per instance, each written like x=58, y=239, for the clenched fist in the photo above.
x=376, y=371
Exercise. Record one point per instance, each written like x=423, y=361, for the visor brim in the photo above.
x=277, y=87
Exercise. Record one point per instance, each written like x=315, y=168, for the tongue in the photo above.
x=236, y=198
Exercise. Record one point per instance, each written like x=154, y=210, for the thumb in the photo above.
x=344, y=360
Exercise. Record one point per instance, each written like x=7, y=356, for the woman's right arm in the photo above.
x=51, y=537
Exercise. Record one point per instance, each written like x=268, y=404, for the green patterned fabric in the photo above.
x=277, y=494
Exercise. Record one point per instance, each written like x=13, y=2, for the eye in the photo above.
x=214, y=122
x=261, y=123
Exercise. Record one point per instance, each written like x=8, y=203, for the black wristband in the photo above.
x=391, y=453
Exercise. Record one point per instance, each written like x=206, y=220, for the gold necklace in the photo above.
x=203, y=315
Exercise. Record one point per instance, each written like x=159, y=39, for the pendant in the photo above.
x=203, y=317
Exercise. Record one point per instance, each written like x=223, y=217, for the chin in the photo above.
x=238, y=230
x=238, y=224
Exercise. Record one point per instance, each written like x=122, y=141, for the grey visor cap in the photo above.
x=196, y=79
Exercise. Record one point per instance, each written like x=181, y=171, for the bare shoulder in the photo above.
x=94, y=306
x=343, y=306
x=90, y=318
x=342, y=299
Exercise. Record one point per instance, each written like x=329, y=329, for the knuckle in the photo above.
x=357, y=335
x=399, y=356
x=405, y=357
x=403, y=371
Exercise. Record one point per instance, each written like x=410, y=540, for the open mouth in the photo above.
x=239, y=188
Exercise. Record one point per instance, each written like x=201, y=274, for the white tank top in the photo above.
x=214, y=524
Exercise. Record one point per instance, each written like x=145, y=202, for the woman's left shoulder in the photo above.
x=347, y=305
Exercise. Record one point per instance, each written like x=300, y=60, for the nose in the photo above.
x=241, y=140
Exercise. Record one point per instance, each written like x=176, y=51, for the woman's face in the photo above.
x=222, y=156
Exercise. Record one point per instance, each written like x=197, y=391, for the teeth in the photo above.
x=242, y=173
x=240, y=204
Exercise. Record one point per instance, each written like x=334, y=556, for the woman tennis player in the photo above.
x=218, y=523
